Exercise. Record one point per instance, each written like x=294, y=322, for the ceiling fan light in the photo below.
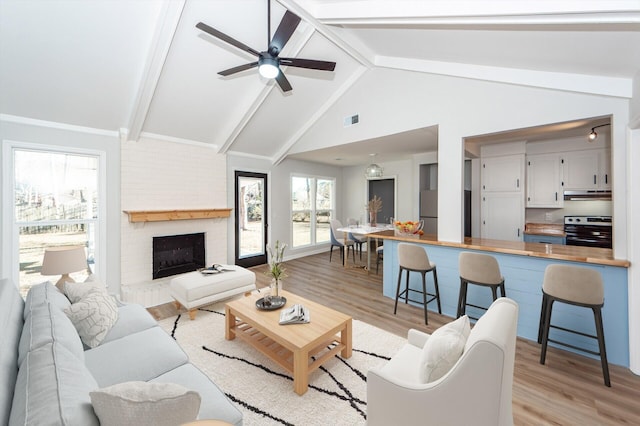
x=268, y=67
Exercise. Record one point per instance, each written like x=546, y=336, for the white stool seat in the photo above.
x=195, y=289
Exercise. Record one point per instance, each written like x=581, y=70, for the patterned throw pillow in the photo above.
x=93, y=316
x=77, y=291
x=143, y=403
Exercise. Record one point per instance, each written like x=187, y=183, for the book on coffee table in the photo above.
x=297, y=314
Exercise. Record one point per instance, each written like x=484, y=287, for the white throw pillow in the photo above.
x=143, y=403
x=77, y=291
x=93, y=316
x=443, y=349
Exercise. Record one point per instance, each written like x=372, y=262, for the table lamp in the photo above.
x=63, y=260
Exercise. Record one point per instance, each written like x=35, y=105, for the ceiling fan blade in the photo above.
x=284, y=32
x=238, y=69
x=283, y=82
x=308, y=63
x=222, y=36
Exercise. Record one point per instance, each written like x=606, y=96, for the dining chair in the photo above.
x=338, y=240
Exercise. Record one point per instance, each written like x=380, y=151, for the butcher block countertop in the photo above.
x=552, y=229
x=592, y=255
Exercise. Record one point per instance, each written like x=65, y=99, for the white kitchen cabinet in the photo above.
x=504, y=173
x=589, y=169
x=502, y=216
x=544, y=181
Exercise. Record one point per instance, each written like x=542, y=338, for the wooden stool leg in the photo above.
x=597, y=314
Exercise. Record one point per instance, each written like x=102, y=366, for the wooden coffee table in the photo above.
x=293, y=345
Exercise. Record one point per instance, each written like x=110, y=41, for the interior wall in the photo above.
x=45, y=133
x=461, y=108
x=159, y=175
x=354, y=196
x=279, y=202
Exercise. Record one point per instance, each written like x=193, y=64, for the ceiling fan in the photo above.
x=269, y=62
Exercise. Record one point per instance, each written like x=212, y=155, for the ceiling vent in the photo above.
x=351, y=120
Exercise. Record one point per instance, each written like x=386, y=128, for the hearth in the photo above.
x=177, y=254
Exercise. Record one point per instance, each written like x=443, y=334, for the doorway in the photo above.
x=385, y=189
x=251, y=219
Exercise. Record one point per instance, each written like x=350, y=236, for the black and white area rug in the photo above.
x=263, y=391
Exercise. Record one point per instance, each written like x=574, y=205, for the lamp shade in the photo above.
x=63, y=260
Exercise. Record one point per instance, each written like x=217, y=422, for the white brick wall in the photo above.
x=165, y=175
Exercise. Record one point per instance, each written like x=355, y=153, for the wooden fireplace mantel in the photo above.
x=164, y=215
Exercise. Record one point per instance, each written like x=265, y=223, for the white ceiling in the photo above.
x=141, y=67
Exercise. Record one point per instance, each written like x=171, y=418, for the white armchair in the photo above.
x=477, y=390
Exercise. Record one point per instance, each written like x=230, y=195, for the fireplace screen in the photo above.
x=177, y=254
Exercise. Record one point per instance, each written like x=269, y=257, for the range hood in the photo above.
x=591, y=194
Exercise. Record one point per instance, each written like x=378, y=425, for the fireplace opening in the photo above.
x=177, y=254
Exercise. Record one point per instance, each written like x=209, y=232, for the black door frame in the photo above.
x=259, y=259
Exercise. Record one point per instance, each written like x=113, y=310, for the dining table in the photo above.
x=366, y=230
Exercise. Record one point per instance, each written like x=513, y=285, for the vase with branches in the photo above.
x=276, y=269
x=373, y=206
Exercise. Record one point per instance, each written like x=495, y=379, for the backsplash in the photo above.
x=571, y=208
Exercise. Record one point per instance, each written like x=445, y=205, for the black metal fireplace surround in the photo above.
x=177, y=254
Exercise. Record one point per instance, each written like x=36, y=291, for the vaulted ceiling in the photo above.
x=143, y=68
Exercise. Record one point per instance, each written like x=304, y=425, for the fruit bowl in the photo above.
x=409, y=227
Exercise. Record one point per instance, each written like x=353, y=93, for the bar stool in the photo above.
x=413, y=258
x=479, y=269
x=577, y=286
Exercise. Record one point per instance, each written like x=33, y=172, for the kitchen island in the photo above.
x=522, y=265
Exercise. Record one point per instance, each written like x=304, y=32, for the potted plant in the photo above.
x=276, y=270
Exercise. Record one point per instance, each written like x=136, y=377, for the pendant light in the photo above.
x=373, y=170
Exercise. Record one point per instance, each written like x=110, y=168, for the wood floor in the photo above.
x=568, y=390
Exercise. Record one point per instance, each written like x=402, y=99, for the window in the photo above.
x=312, y=207
x=55, y=198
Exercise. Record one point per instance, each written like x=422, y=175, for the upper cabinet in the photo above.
x=544, y=181
x=503, y=174
x=588, y=169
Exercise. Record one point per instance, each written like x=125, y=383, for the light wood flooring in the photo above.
x=568, y=390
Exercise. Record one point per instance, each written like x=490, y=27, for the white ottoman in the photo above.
x=195, y=289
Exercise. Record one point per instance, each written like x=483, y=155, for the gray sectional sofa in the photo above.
x=46, y=373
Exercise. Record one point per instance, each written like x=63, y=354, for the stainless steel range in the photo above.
x=588, y=231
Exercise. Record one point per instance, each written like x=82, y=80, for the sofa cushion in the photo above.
x=93, y=316
x=139, y=356
x=11, y=323
x=142, y=403
x=216, y=404
x=132, y=318
x=78, y=291
x=53, y=389
x=44, y=324
x=443, y=349
x=42, y=293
